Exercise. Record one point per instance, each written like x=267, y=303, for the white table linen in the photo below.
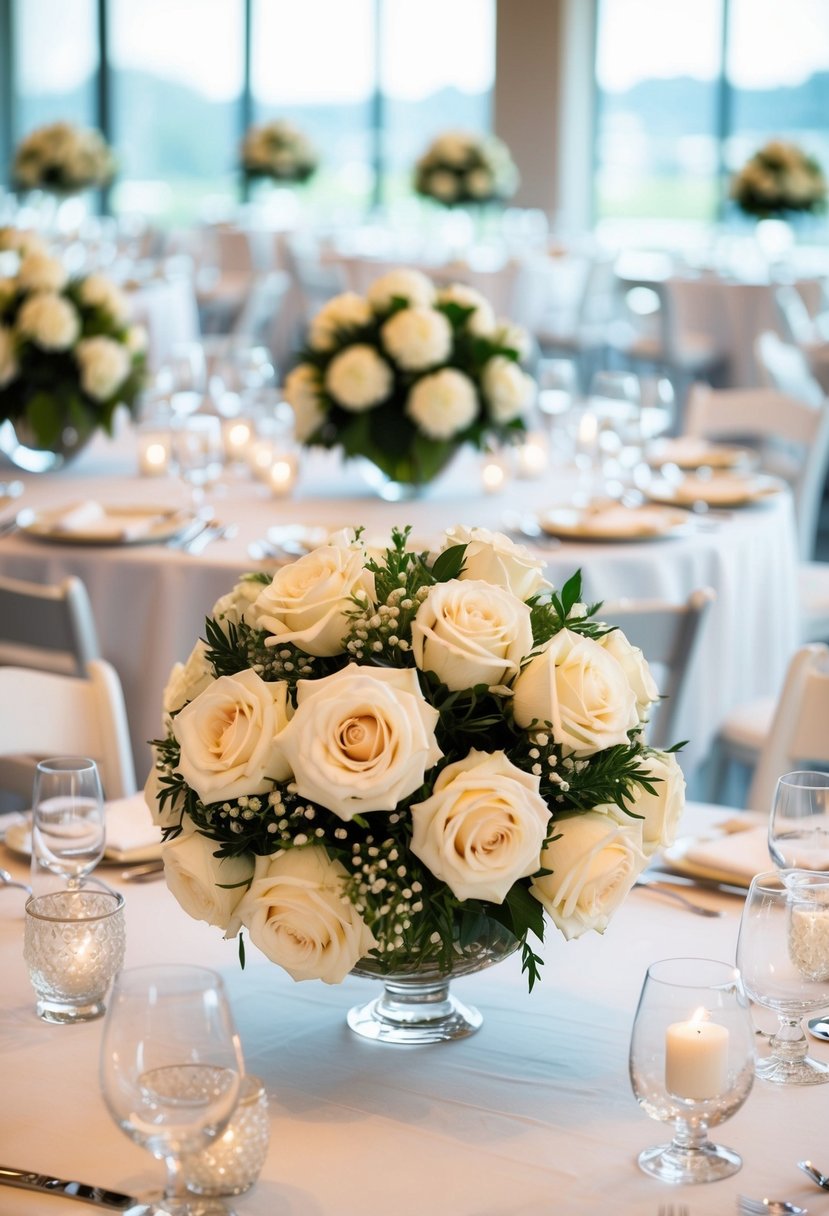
x=532, y=1115
x=150, y=601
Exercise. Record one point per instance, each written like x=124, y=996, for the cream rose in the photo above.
x=443, y=185
x=483, y=827
x=97, y=291
x=494, y=558
x=136, y=339
x=661, y=811
x=39, y=271
x=481, y=320
x=470, y=632
x=206, y=887
x=409, y=285
x=49, y=320
x=302, y=392
x=296, y=912
x=509, y=391
x=171, y=814
x=581, y=690
x=358, y=378
x=231, y=608
x=307, y=602
x=479, y=183
x=453, y=147
x=104, y=365
x=443, y=403
x=228, y=737
x=340, y=314
x=594, y=860
x=635, y=666
x=361, y=740
x=417, y=338
x=8, y=359
x=513, y=336
x=187, y=680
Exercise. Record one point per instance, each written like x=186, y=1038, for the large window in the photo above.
x=56, y=61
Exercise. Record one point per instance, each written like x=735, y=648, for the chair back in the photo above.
x=668, y=635
x=786, y=368
x=43, y=713
x=47, y=627
x=260, y=312
x=786, y=426
x=795, y=320
x=798, y=737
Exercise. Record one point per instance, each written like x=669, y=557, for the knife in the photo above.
x=703, y=884
x=30, y=1180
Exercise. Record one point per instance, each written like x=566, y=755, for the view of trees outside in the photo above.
x=55, y=74
x=658, y=70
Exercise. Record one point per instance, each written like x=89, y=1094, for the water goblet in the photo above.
x=68, y=824
x=615, y=400
x=171, y=1070
x=691, y=1064
x=783, y=955
x=198, y=452
x=184, y=377
x=799, y=822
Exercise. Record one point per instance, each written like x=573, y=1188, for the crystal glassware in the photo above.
x=691, y=1064
x=68, y=825
x=233, y=1161
x=783, y=954
x=198, y=452
x=799, y=822
x=171, y=1069
x=73, y=946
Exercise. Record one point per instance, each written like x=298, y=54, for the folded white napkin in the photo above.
x=131, y=834
x=92, y=519
x=738, y=855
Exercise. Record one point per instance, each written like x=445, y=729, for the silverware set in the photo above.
x=662, y=889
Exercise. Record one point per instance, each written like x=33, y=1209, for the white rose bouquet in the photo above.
x=779, y=179
x=462, y=168
x=68, y=355
x=407, y=374
x=278, y=150
x=382, y=758
x=63, y=159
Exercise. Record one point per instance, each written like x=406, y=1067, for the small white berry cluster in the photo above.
x=383, y=631
x=384, y=891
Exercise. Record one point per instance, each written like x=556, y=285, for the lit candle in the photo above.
x=282, y=475
x=696, y=1058
x=531, y=457
x=493, y=476
x=588, y=431
x=236, y=436
x=260, y=458
x=153, y=453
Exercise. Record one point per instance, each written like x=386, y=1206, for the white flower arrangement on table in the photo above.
x=407, y=374
x=68, y=354
x=372, y=757
x=779, y=179
x=278, y=150
x=463, y=168
x=64, y=159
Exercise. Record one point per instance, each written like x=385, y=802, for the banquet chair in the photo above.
x=583, y=333
x=45, y=713
x=669, y=634
x=786, y=368
x=260, y=312
x=47, y=627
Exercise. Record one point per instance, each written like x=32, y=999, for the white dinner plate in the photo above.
x=725, y=489
x=689, y=453
x=116, y=525
x=614, y=523
x=18, y=839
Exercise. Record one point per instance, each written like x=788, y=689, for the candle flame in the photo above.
x=699, y=1016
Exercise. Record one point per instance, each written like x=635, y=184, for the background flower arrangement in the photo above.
x=64, y=159
x=462, y=168
x=278, y=150
x=407, y=374
x=381, y=756
x=68, y=355
x=779, y=179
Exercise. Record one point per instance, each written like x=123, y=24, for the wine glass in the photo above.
x=616, y=402
x=68, y=826
x=197, y=452
x=799, y=822
x=691, y=1064
x=783, y=955
x=557, y=391
x=184, y=377
x=171, y=1069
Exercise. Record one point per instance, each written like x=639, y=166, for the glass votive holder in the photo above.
x=237, y=435
x=73, y=946
x=532, y=456
x=691, y=1064
x=154, y=447
x=233, y=1161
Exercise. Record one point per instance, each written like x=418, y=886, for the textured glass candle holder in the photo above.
x=231, y=1164
x=73, y=947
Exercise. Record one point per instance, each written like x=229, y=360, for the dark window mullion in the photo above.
x=724, y=113
x=377, y=113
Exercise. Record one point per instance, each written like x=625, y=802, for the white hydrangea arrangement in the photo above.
x=407, y=374
x=278, y=150
x=463, y=168
x=68, y=354
x=382, y=758
x=779, y=179
x=63, y=158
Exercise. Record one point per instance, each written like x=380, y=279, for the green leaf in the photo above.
x=242, y=951
x=45, y=419
x=571, y=592
x=449, y=564
x=526, y=911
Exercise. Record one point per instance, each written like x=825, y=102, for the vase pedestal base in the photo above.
x=409, y=1013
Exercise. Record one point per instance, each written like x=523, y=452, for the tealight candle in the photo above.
x=237, y=434
x=282, y=474
x=153, y=453
x=809, y=940
x=696, y=1058
x=260, y=457
x=231, y=1163
x=493, y=476
x=531, y=456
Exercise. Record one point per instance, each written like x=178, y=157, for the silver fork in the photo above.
x=659, y=888
x=768, y=1207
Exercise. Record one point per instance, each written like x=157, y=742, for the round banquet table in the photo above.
x=150, y=600
x=534, y=1114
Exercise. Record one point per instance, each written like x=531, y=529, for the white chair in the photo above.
x=43, y=713
x=786, y=368
x=798, y=735
x=259, y=316
x=668, y=634
x=48, y=627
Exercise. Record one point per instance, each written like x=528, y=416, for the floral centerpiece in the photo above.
x=64, y=159
x=407, y=374
x=380, y=757
x=779, y=179
x=463, y=168
x=278, y=150
x=68, y=355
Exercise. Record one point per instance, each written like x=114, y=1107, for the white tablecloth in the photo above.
x=150, y=601
x=532, y=1115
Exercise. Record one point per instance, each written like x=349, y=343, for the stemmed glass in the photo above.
x=68, y=826
x=799, y=822
x=783, y=954
x=197, y=452
x=171, y=1069
x=615, y=399
x=184, y=377
x=691, y=1064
